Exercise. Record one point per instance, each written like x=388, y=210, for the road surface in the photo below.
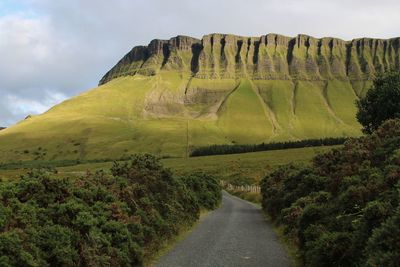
x=236, y=234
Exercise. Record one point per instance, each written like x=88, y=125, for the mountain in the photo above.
x=174, y=94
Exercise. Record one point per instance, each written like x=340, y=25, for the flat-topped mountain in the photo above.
x=269, y=57
x=172, y=95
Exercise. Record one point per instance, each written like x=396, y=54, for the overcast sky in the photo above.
x=51, y=50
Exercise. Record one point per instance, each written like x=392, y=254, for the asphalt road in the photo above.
x=236, y=234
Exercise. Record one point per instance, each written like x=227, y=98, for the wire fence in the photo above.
x=241, y=188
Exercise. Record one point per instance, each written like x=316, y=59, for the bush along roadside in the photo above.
x=100, y=219
x=343, y=210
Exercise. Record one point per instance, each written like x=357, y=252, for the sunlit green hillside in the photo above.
x=173, y=95
x=124, y=117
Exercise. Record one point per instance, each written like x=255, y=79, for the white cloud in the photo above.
x=14, y=105
x=38, y=64
x=26, y=106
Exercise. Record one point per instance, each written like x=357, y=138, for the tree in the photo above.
x=382, y=102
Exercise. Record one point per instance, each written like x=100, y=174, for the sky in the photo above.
x=51, y=50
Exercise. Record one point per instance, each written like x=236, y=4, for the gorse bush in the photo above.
x=343, y=210
x=99, y=219
x=204, y=189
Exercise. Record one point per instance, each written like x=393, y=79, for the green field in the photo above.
x=248, y=165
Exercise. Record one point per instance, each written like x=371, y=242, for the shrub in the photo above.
x=383, y=246
x=100, y=219
x=341, y=209
x=205, y=190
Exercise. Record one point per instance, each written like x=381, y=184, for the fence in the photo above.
x=241, y=188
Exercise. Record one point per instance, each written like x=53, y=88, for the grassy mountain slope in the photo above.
x=172, y=95
x=113, y=120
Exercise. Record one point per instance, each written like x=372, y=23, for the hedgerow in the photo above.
x=246, y=148
x=343, y=210
x=100, y=219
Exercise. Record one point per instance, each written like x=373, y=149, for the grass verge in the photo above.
x=288, y=243
x=248, y=196
x=169, y=244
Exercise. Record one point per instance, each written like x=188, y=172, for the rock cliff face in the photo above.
x=174, y=54
x=269, y=57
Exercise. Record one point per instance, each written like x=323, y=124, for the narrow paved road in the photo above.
x=236, y=234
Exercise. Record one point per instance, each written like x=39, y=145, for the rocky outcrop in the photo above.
x=175, y=53
x=269, y=57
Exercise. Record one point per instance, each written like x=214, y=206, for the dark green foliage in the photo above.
x=237, y=149
x=99, y=219
x=384, y=245
x=205, y=189
x=343, y=210
x=382, y=102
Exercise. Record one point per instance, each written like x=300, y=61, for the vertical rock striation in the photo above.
x=269, y=57
x=173, y=54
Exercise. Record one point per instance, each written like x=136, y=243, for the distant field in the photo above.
x=252, y=165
